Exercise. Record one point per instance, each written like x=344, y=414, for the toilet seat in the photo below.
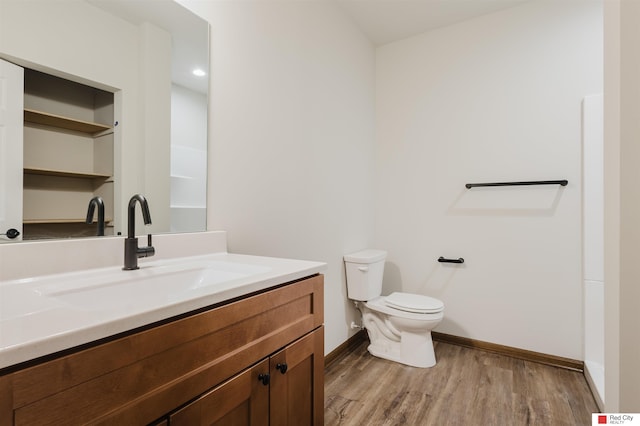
x=415, y=303
x=379, y=304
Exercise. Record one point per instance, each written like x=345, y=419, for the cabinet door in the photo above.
x=297, y=382
x=11, y=131
x=242, y=400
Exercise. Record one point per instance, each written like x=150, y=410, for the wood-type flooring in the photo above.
x=467, y=387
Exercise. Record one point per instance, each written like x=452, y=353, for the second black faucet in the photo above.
x=96, y=201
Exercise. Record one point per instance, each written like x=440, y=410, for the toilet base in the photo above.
x=400, y=336
x=413, y=350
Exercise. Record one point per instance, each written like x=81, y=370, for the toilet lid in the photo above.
x=417, y=303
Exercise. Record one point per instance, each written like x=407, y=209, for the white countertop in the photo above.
x=45, y=314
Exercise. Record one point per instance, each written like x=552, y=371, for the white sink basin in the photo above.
x=165, y=283
x=109, y=293
x=19, y=301
x=49, y=313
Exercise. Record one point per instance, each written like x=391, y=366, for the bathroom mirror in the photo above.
x=142, y=55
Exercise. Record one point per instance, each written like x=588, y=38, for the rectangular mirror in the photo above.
x=124, y=68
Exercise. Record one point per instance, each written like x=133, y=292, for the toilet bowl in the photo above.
x=399, y=335
x=399, y=325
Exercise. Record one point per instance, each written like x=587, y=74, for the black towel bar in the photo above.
x=563, y=182
x=444, y=260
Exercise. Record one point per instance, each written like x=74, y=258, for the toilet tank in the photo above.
x=364, y=271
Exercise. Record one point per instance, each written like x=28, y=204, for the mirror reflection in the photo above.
x=101, y=103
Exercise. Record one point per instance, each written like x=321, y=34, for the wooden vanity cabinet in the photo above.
x=208, y=367
x=284, y=389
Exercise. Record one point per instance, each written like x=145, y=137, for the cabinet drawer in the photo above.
x=140, y=377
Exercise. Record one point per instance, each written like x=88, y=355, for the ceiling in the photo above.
x=385, y=21
x=382, y=21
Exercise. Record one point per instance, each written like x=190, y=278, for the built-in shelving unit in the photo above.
x=59, y=221
x=65, y=173
x=53, y=120
x=68, y=154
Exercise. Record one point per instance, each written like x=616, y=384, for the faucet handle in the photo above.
x=147, y=251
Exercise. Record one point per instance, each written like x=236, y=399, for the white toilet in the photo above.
x=399, y=325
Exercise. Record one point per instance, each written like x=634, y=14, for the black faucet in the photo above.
x=131, y=250
x=96, y=201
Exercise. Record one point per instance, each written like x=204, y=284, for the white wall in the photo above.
x=496, y=98
x=622, y=205
x=612, y=319
x=291, y=133
x=155, y=117
x=291, y=165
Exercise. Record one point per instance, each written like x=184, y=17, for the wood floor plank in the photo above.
x=466, y=387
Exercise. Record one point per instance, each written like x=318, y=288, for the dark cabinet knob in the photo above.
x=282, y=367
x=264, y=378
x=12, y=233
